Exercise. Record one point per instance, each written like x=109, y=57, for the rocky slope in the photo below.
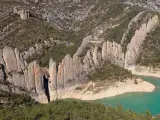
x=79, y=36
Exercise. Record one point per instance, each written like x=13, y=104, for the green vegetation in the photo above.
x=29, y=32
x=150, y=52
x=116, y=33
x=110, y=72
x=101, y=13
x=11, y=100
x=65, y=110
x=57, y=52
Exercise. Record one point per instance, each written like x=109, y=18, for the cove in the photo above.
x=138, y=102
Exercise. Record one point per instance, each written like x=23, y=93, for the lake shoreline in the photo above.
x=118, y=88
x=147, y=74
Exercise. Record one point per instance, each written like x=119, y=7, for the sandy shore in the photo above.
x=114, y=90
x=146, y=74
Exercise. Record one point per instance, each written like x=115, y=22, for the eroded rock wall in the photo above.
x=133, y=48
x=72, y=69
x=14, y=70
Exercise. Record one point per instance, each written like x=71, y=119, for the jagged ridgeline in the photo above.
x=71, y=40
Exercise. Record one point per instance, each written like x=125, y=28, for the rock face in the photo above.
x=130, y=25
x=84, y=45
x=30, y=77
x=71, y=70
x=133, y=48
x=52, y=80
x=20, y=61
x=153, y=5
x=113, y=52
x=39, y=83
x=19, y=80
x=10, y=59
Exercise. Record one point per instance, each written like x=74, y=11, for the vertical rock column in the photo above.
x=10, y=59
x=29, y=78
x=20, y=61
x=133, y=48
x=52, y=80
x=77, y=67
x=39, y=83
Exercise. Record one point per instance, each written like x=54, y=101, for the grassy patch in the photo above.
x=57, y=52
x=110, y=72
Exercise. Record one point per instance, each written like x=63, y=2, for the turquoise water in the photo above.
x=138, y=102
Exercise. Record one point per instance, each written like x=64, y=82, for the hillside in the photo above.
x=51, y=47
x=22, y=107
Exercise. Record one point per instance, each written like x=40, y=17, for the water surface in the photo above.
x=138, y=102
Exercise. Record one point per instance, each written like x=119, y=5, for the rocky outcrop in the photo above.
x=71, y=70
x=84, y=45
x=24, y=14
x=10, y=59
x=68, y=70
x=133, y=48
x=39, y=84
x=38, y=48
x=29, y=78
x=52, y=80
x=152, y=5
x=20, y=61
x=131, y=24
x=113, y=52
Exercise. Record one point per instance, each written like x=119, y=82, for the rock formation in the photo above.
x=10, y=59
x=52, y=80
x=133, y=48
x=71, y=70
x=24, y=14
x=28, y=77
x=39, y=83
x=20, y=61
x=84, y=45
x=130, y=25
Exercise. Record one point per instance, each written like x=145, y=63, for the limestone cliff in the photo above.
x=104, y=29
x=28, y=77
x=133, y=48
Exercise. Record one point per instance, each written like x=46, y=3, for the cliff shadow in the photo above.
x=46, y=87
x=2, y=67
